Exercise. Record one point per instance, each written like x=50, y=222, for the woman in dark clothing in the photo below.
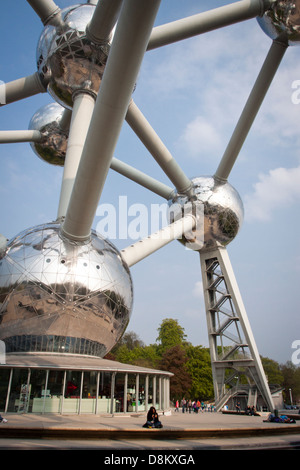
x=152, y=419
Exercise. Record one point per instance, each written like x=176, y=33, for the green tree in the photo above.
x=296, y=386
x=174, y=360
x=199, y=368
x=121, y=351
x=272, y=371
x=131, y=340
x=146, y=357
x=291, y=381
x=170, y=334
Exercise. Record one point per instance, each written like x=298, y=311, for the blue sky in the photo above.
x=192, y=92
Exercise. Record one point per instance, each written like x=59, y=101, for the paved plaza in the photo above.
x=119, y=432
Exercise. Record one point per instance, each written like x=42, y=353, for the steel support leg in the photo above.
x=231, y=341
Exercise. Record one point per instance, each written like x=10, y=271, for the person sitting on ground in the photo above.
x=152, y=419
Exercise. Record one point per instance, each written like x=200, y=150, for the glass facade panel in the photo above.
x=157, y=394
x=119, y=392
x=150, y=391
x=19, y=392
x=53, y=399
x=162, y=393
x=104, y=399
x=142, y=393
x=53, y=343
x=4, y=381
x=72, y=392
x=131, y=392
x=37, y=381
x=89, y=392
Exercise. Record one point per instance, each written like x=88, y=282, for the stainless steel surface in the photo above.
x=67, y=59
x=23, y=88
x=147, y=246
x=125, y=57
x=82, y=112
x=205, y=22
x=11, y=137
x=53, y=144
x=223, y=211
x=46, y=9
x=100, y=29
x=282, y=21
x=141, y=178
x=158, y=150
x=62, y=296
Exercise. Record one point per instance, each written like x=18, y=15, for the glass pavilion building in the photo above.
x=71, y=383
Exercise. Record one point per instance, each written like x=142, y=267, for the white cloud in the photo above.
x=217, y=75
x=276, y=120
x=200, y=137
x=277, y=189
x=198, y=290
x=217, y=72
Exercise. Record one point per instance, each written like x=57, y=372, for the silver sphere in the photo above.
x=222, y=213
x=62, y=296
x=53, y=145
x=282, y=21
x=67, y=60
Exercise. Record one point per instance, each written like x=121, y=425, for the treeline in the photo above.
x=191, y=365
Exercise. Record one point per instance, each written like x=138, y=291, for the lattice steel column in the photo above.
x=232, y=345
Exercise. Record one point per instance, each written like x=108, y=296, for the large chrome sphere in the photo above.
x=282, y=21
x=53, y=145
x=222, y=213
x=60, y=296
x=66, y=59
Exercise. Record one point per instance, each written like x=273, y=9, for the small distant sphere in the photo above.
x=53, y=145
x=222, y=213
x=62, y=296
x=66, y=59
x=282, y=21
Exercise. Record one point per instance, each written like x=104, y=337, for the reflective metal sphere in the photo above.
x=60, y=296
x=222, y=210
x=66, y=59
x=282, y=21
x=53, y=145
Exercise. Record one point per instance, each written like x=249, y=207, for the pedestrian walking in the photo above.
x=183, y=405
